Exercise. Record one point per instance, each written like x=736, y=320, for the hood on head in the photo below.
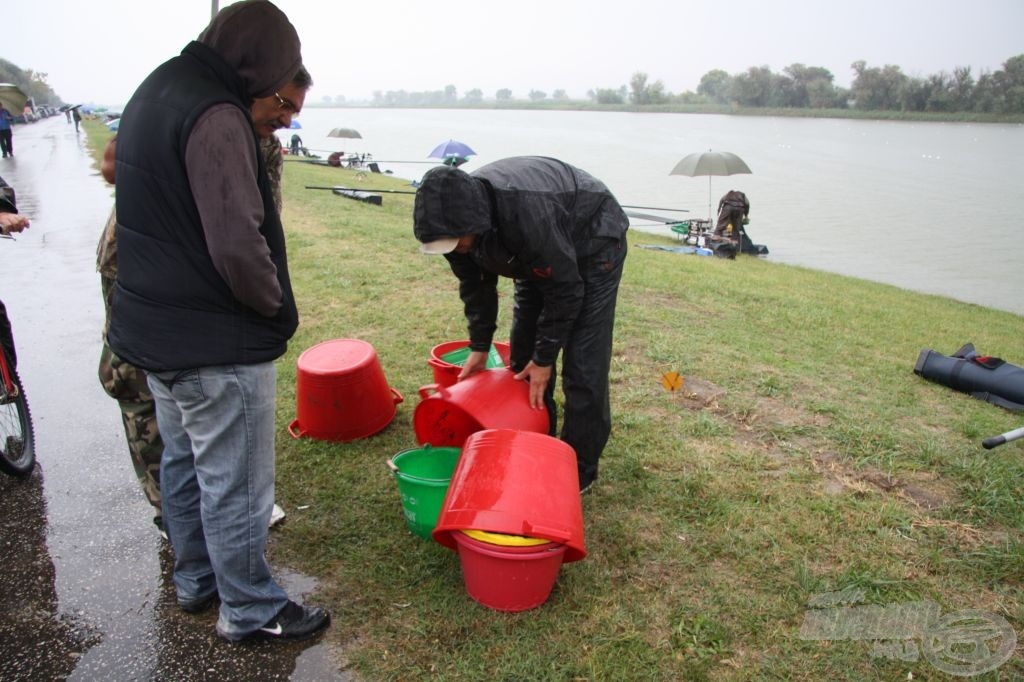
x=450, y=203
x=258, y=41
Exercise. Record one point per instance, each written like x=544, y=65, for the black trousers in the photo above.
x=7, y=141
x=586, y=357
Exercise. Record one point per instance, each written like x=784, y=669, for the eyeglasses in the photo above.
x=286, y=105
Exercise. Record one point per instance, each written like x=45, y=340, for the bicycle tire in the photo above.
x=17, y=438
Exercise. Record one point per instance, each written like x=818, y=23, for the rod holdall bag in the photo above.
x=986, y=378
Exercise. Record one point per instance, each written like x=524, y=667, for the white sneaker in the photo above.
x=276, y=516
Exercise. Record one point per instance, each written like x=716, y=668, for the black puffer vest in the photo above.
x=171, y=308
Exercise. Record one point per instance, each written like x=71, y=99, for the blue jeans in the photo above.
x=217, y=480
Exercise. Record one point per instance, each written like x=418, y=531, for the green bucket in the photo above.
x=423, y=475
x=458, y=357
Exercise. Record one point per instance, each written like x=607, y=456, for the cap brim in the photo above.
x=440, y=246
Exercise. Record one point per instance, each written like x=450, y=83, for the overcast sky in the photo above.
x=99, y=52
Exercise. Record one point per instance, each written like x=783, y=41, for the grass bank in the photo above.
x=801, y=457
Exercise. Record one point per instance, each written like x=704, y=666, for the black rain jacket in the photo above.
x=546, y=216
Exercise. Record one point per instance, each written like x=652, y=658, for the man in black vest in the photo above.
x=123, y=381
x=203, y=304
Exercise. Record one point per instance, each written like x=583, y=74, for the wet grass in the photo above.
x=801, y=457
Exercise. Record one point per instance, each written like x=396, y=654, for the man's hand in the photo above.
x=12, y=222
x=476, y=362
x=538, y=377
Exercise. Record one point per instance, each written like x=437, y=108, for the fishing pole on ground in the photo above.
x=361, y=189
x=369, y=158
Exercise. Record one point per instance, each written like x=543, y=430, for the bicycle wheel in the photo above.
x=17, y=442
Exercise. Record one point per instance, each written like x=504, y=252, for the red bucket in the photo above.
x=491, y=399
x=341, y=393
x=515, y=483
x=508, y=578
x=447, y=373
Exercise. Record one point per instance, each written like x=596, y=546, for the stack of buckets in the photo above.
x=490, y=484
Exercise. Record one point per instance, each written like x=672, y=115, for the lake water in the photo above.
x=930, y=207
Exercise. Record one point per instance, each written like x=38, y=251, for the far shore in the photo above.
x=712, y=109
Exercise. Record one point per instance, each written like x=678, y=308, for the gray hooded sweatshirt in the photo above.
x=256, y=39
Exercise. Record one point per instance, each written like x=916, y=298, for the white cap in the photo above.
x=440, y=246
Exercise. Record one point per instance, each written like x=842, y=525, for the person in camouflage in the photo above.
x=123, y=381
x=273, y=157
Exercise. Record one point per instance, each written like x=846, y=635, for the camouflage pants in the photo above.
x=127, y=384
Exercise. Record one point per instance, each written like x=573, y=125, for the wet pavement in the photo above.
x=85, y=591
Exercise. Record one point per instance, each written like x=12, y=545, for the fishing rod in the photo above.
x=994, y=441
x=368, y=160
x=653, y=218
x=655, y=208
x=361, y=189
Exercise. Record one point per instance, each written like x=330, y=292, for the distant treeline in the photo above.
x=874, y=89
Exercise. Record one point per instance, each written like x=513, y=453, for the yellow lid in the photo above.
x=505, y=540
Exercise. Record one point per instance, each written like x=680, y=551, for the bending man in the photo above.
x=561, y=235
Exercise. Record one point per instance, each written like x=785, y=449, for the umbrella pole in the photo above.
x=710, y=216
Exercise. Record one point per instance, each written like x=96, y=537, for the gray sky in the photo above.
x=99, y=52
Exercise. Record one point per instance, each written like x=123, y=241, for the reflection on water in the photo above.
x=923, y=206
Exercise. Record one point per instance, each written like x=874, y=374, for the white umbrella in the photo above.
x=710, y=163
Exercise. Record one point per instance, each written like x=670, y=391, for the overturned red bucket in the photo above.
x=515, y=483
x=341, y=392
x=490, y=399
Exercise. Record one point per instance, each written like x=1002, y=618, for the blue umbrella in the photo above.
x=295, y=124
x=451, y=148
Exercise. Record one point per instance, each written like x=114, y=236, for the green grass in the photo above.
x=802, y=456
